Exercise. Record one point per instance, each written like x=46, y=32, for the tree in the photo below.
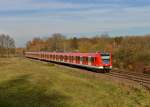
x=74, y=43
x=36, y=44
x=117, y=41
x=56, y=42
x=7, y=45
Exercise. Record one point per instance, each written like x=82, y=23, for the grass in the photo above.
x=26, y=83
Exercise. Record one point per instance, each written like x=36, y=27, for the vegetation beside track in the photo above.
x=26, y=83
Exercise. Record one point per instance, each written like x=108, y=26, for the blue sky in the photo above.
x=25, y=19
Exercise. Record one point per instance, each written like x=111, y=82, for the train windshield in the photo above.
x=105, y=58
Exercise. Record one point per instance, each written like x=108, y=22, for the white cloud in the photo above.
x=97, y=18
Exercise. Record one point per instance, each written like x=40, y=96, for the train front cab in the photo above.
x=105, y=62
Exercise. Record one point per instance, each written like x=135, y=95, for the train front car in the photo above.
x=105, y=61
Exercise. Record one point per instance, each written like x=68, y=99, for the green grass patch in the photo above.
x=27, y=83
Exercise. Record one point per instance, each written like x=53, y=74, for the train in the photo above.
x=98, y=61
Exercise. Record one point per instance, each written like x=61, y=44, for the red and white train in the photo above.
x=96, y=61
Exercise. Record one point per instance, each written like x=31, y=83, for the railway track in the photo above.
x=131, y=73
x=142, y=79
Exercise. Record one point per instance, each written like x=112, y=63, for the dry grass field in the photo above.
x=27, y=83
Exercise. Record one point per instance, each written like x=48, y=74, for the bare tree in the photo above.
x=7, y=45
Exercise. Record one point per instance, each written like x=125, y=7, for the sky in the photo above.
x=26, y=19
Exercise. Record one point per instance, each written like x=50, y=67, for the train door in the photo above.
x=74, y=59
x=77, y=59
x=89, y=60
x=81, y=59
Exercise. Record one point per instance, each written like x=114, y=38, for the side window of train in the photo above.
x=60, y=57
x=89, y=59
x=65, y=57
x=86, y=59
x=81, y=59
x=92, y=59
x=70, y=58
x=76, y=58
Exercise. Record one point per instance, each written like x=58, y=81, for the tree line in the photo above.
x=129, y=52
x=7, y=45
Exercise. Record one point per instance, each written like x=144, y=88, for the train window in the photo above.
x=105, y=58
x=78, y=58
x=81, y=59
x=57, y=57
x=53, y=56
x=66, y=58
x=72, y=58
x=61, y=58
x=69, y=58
x=86, y=59
x=89, y=59
x=92, y=59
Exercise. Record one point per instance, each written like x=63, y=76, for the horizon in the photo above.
x=26, y=19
